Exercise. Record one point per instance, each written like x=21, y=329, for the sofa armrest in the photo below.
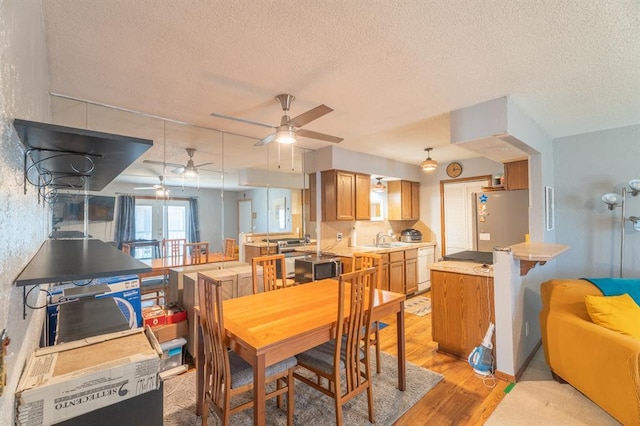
x=600, y=363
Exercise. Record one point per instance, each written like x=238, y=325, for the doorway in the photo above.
x=457, y=212
x=245, y=218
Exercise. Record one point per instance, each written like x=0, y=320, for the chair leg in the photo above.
x=290, y=397
x=378, y=367
x=370, y=401
x=205, y=411
x=279, y=397
x=339, y=416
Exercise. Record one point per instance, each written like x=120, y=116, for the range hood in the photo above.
x=65, y=157
x=487, y=129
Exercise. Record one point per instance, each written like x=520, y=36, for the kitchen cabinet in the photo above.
x=396, y=271
x=251, y=251
x=516, y=175
x=410, y=271
x=461, y=308
x=384, y=281
x=344, y=196
x=363, y=196
x=403, y=199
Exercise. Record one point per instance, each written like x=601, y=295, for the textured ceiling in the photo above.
x=390, y=70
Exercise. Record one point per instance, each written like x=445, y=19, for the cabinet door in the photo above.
x=406, y=193
x=363, y=197
x=411, y=276
x=415, y=200
x=396, y=277
x=345, y=195
x=385, y=272
x=516, y=175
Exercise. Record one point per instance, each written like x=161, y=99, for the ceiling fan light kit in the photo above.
x=289, y=129
x=429, y=165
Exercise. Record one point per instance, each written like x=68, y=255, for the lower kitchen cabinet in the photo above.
x=461, y=308
x=396, y=271
x=410, y=271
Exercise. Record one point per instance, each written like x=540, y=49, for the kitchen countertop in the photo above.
x=345, y=251
x=540, y=252
x=468, y=268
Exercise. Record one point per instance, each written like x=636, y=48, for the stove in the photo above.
x=287, y=246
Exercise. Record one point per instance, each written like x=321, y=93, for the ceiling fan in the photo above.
x=189, y=170
x=289, y=128
x=161, y=189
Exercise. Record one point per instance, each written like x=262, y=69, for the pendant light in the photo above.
x=429, y=165
x=379, y=186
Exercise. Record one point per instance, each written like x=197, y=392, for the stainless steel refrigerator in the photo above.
x=501, y=218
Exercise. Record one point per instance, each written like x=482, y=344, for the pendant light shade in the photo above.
x=429, y=165
x=379, y=186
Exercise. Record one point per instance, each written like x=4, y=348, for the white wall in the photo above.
x=23, y=225
x=588, y=166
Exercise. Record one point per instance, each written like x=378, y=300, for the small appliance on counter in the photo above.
x=314, y=268
x=411, y=235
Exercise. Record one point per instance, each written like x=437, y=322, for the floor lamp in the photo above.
x=613, y=200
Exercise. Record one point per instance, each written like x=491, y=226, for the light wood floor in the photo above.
x=460, y=398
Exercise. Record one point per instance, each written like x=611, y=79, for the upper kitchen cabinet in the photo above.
x=344, y=196
x=516, y=175
x=404, y=200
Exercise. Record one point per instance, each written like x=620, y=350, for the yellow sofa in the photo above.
x=602, y=364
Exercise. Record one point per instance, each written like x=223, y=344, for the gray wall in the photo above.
x=24, y=89
x=586, y=167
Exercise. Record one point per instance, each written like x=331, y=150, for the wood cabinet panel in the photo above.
x=312, y=197
x=410, y=275
x=403, y=198
x=345, y=196
x=385, y=272
x=362, y=197
x=396, y=277
x=461, y=307
x=516, y=175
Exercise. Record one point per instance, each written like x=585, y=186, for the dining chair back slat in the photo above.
x=196, y=253
x=270, y=280
x=224, y=379
x=229, y=247
x=350, y=348
x=173, y=248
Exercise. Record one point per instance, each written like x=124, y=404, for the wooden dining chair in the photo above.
x=364, y=261
x=349, y=352
x=270, y=269
x=172, y=248
x=229, y=247
x=225, y=373
x=196, y=253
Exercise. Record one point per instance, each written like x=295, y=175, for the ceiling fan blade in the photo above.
x=179, y=170
x=242, y=120
x=320, y=136
x=310, y=115
x=203, y=164
x=162, y=163
x=266, y=140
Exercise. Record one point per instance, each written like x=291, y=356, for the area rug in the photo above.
x=311, y=406
x=537, y=399
x=418, y=305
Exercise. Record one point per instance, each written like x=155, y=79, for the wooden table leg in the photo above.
x=199, y=343
x=259, y=409
x=402, y=366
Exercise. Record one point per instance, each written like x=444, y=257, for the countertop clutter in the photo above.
x=345, y=251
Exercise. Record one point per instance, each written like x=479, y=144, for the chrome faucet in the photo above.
x=380, y=238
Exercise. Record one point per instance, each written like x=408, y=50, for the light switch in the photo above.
x=484, y=236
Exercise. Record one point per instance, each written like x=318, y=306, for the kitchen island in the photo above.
x=462, y=305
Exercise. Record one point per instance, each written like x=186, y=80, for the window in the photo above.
x=158, y=219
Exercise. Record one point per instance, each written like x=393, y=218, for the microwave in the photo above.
x=315, y=268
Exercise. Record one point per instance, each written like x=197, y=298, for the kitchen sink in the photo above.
x=388, y=245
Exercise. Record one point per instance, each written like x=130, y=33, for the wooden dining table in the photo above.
x=161, y=266
x=266, y=328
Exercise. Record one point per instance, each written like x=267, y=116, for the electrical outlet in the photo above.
x=526, y=329
x=339, y=236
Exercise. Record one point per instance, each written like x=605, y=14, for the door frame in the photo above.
x=487, y=178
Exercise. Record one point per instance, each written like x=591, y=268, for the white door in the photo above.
x=245, y=220
x=458, y=215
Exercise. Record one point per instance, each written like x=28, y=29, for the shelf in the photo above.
x=65, y=157
x=73, y=260
x=531, y=254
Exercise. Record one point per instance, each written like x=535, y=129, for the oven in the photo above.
x=287, y=246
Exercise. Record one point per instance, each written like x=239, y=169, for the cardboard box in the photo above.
x=64, y=381
x=175, y=313
x=154, y=316
x=167, y=332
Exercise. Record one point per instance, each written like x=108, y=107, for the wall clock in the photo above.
x=454, y=169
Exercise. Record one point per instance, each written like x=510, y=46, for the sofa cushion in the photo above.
x=617, y=313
